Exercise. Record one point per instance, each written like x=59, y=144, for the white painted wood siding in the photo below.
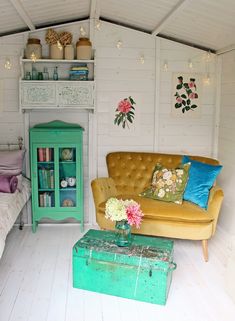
x=226, y=147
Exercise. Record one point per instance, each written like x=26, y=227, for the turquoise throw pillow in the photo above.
x=201, y=178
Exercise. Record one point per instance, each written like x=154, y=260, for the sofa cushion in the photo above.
x=158, y=210
x=201, y=178
x=168, y=184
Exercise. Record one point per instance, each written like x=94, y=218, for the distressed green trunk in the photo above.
x=141, y=272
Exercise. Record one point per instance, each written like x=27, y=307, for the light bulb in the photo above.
x=59, y=45
x=142, y=59
x=165, y=66
x=82, y=31
x=208, y=56
x=98, y=25
x=190, y=64
x=33, y=57
x=119, y=44
x=8, y=64
x=207, y=80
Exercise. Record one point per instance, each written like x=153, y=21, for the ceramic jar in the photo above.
x=33, y=46
x=69, y=52
x=56, y=52
x=84, y=49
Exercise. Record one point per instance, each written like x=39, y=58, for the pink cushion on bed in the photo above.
x=11, y=162
x=8, y=184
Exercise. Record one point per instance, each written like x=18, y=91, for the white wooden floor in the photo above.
x=36, y=283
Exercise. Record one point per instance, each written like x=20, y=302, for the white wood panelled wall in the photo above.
x=119, y=74
x=226, y=153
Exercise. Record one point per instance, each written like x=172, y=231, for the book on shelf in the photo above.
x=45, y=154
x=46, y=199
x=46, y=178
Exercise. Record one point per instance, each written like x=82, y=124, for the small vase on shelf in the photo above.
x=123, y=233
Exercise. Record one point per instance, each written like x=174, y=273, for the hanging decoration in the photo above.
x=8, y=64
x=125, y=112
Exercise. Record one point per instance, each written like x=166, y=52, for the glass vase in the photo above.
x=123, y=233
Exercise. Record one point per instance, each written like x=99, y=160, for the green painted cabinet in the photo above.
x=56, y=163
x=142, y=271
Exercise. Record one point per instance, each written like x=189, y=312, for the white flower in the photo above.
x=115, y=210
x=179, y=172
x=161, y=193
x=169, y=182
x=167, y=175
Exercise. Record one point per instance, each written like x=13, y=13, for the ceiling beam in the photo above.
x=22, y=13
x=225, y=49
x=177, y=8
x=95, y=9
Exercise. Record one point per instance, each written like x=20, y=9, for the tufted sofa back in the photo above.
x=132, y=171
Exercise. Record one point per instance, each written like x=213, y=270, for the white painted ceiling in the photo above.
x=204, y=23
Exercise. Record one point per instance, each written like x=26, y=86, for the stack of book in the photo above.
x=46, y=199
x=46, y=178
x=45, y=154
x=79, y=72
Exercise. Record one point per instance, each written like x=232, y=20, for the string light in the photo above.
x=142, y=59
x=207, y=79
x=208, y=56
x=98, y=25
x=59, y=45
x=190, y=64
x=119, y=44
x=82, y=31
x=165, y=66
x=33, y=57
x=8, y=64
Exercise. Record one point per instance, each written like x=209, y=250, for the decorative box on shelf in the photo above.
x=76, y=91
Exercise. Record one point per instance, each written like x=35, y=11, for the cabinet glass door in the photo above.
x=46, y=176
x=67, y=177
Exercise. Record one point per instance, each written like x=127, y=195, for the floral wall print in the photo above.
x=186, y=95
x=125, y=112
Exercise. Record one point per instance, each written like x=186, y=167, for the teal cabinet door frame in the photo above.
x=56, y=162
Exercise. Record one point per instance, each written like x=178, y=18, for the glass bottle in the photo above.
x=55, y=74
x=45, y=74
x=123, y=233
x=34, y=74
x=40, y=76
x=28, y=75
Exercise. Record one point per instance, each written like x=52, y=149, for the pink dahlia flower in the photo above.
x=134, y=214
x=179, y=100
x=192, y=96
x=124, y=106
x=191, y=84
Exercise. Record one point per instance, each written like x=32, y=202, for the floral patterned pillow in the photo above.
x=168, y=184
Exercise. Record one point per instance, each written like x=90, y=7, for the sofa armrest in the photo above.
x=214, y=204
x=103, y=188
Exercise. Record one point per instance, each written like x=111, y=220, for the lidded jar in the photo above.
x=84, y=49
x=33, y=47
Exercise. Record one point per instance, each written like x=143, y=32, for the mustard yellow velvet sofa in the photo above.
x=130, y=173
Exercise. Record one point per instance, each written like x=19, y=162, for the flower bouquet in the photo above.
x=125, y=112
x=126, y=213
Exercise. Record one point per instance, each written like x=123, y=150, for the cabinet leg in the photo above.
x=34, y=226
x=82, y=226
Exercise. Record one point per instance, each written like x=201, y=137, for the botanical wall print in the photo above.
x=186, y=95
x=125, y=112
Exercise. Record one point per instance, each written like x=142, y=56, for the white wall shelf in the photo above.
x=56, y=94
